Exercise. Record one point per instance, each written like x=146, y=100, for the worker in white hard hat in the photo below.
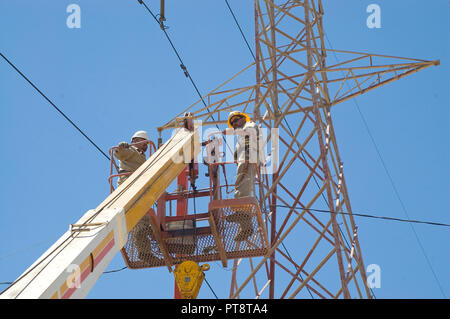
x=247, y=156
x=130, y=157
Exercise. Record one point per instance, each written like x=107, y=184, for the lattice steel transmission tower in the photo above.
x=313, y=253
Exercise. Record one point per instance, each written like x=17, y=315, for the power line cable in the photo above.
x=182, y=65
x=212, y=290
x=392, y=181
x=369, y=216
x=105, y=272
x=240, y=30
x=55, y=107
x=115, y=270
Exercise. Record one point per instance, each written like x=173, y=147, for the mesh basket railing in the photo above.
x=236, y=230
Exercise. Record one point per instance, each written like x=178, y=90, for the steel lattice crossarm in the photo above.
x=357, y=74
x=294, y=84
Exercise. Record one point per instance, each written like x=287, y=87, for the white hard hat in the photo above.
x=141, y=134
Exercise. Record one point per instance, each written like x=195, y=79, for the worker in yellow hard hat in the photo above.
x=247, y=156
x=235, y=116
x=131, y=157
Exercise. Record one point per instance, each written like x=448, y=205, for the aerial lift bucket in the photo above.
x=235, y=227
x=235, y=230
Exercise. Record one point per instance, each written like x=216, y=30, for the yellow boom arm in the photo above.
x=70, y=267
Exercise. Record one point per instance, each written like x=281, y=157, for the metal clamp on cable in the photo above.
x=183, y=67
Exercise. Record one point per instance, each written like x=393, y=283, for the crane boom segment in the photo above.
x=70, y=267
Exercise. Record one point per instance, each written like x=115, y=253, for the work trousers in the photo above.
x=245, y=180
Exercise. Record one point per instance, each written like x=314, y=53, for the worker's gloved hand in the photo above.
x=124, y=145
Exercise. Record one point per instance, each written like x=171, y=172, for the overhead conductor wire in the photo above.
x=392, y=183
x=182, y=65
x=54, y=106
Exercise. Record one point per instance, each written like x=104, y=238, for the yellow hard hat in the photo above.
x=237, y=113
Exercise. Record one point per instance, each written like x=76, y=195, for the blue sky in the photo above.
x=117, y=74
